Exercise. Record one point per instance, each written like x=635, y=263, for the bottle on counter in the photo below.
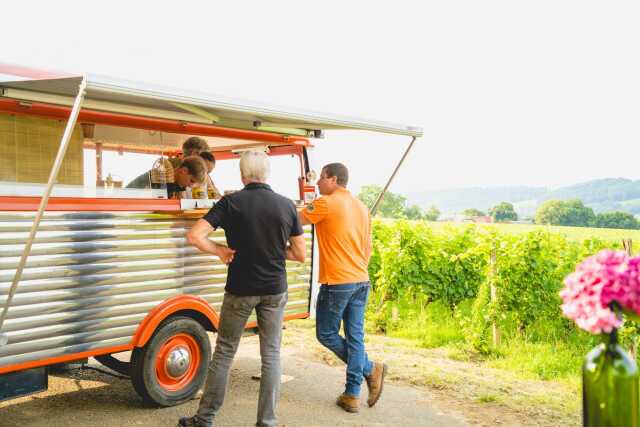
x=200, y=192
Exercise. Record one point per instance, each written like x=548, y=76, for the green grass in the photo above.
x=543, y=361
x=487, y=398
x=538, y=356
x=424, y=323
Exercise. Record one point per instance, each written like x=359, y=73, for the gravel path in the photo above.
x=90, y=398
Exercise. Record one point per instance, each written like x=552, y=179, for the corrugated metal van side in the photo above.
x=92, y=277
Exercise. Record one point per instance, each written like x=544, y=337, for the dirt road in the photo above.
x=90, y=398
x=425, y=388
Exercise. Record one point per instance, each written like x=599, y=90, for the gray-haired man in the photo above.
x=263, y=231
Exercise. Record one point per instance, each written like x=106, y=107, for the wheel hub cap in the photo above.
x=178, y=361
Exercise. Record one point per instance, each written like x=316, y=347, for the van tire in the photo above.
x=172, y=366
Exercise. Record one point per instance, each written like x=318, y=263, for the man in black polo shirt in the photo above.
x=263, y=231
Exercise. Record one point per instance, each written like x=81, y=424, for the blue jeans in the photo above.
x=345, y=303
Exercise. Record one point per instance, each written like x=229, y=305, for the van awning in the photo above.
x=128, y=97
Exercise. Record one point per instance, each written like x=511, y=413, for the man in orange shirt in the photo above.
x=343, y=227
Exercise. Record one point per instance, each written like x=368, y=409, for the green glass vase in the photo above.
x=610, y=386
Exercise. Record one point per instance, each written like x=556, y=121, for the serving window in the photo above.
x=101, y=160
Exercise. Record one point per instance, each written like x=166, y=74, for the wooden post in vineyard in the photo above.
x=395, y=313
x=494, y=327
x=628, y=247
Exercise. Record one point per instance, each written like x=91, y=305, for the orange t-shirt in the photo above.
x=343, y=227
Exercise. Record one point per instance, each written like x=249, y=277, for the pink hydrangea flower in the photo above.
x=599, y=280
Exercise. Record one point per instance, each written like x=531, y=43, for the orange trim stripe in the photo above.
x=17, y=203
x=140, y=122
x=65, y=358
x=108, y=350
x=146, y=328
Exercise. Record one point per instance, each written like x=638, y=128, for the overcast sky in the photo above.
x=543, y=93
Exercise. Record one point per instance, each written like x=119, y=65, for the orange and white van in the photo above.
x=89, y=268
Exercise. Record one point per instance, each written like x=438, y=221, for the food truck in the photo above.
x=90, y=268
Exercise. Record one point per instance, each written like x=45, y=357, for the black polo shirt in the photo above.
x=258, y=223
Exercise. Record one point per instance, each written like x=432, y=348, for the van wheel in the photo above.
x=172, y=366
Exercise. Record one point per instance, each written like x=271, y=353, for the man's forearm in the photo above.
x=205, y=245
x=296, y=251
x=303, y=220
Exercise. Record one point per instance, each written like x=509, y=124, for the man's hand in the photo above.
x=198, y=236
x=225, y=254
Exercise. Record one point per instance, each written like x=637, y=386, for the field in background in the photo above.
x=573, y=233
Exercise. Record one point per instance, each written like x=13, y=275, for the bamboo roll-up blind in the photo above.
x=28, y=147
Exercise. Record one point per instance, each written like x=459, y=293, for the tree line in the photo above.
x=552, y=212
x=395, y=205
x=575, y=213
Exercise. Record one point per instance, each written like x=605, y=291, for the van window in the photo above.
x=28, y=147
x=285, y=170
x=118, y=170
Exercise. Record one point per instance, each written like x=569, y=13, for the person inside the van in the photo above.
x=197, y=146
x=210, y=160
x=191, y=171
x=259, y=245
x=192, y=146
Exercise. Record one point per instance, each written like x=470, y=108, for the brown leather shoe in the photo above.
x=348, y=402
x=375, y=382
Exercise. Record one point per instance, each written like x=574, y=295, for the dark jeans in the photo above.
x=233, y=318
x=345, y=303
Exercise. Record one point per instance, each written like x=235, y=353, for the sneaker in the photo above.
x=348, y=402
x=375, y=382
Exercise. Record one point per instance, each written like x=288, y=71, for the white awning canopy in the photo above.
x=122, y=96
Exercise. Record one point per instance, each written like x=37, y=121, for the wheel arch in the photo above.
x=184, y=305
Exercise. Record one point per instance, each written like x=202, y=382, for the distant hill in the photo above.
x=603, y=195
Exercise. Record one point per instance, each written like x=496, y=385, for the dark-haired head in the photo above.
x=194, y=146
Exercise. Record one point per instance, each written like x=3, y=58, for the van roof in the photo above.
x=118, y=96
